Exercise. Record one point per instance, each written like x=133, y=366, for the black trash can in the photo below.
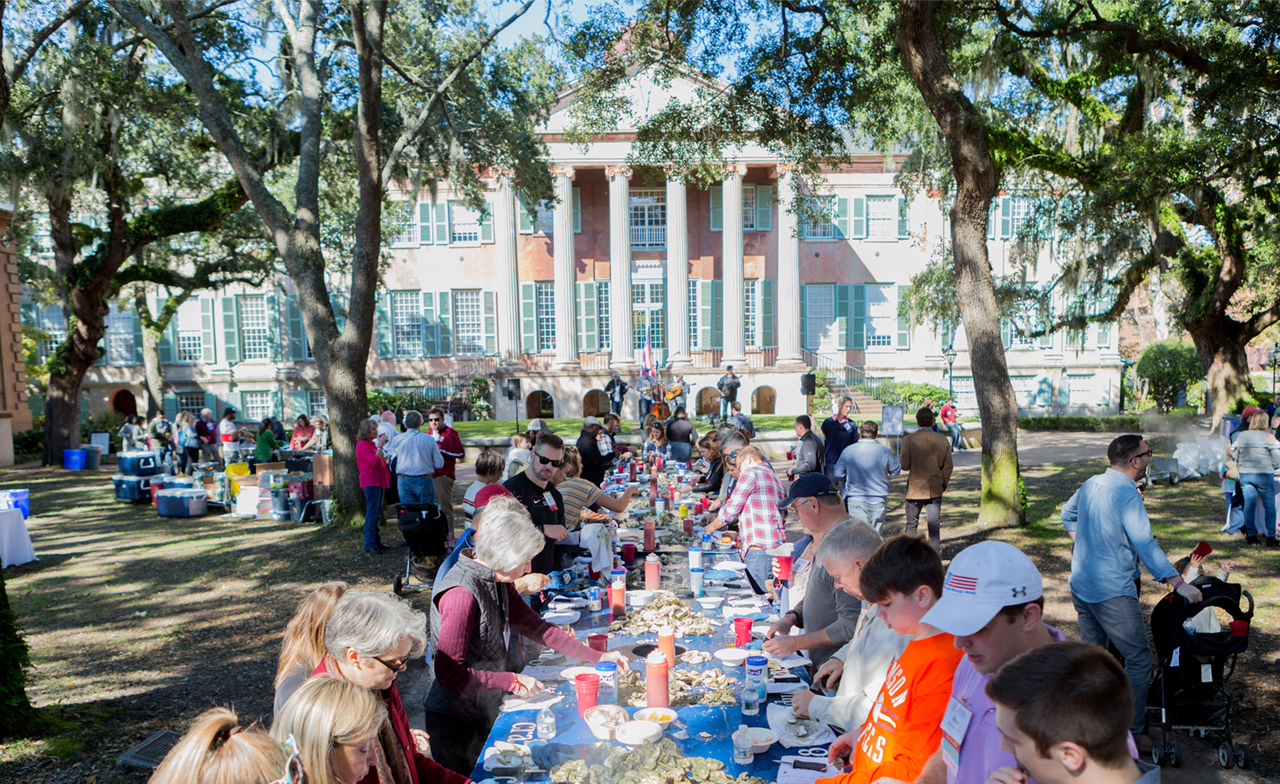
x=93, y=457
x=280, y=504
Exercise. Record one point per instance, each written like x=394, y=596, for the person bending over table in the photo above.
x=336, y=726
x=303, y=430
x=370, y=639
x=303, y=645
x=473, y=662
x=753, y=504
x=582, y=496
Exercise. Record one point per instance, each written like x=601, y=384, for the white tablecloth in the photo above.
x=15, y=542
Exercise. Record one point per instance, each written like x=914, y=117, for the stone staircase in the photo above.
x=845, y=379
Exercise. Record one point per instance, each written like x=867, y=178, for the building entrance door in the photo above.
x=649, y=319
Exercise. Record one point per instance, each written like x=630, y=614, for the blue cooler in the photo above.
x=182, y=503
x=134, y=489
x=16, y=499
x=74, y=459
x=138, y=463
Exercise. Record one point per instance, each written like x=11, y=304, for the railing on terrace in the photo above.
x=648, y=237
x=706, y=359
x=450, y=389
x=543, y=363
x=848, y=376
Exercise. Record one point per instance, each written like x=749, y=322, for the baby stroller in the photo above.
x=1190, y=686
x=426, y=531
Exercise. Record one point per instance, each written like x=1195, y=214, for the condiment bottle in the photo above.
x=652, y=571
x=653, y=485
x=650, y=535
x=618, y=593
x=657, y=694
x=667, y=644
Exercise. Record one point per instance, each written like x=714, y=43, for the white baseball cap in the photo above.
x=981, y=580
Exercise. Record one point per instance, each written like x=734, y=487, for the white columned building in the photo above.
x=508, y=275
x=620, y=328
x=562, y=251
x=788, y=269
x=735, y=352
x=678, y=275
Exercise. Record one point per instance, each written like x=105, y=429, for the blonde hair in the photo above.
x=750, y=453
x=508, y=540
x=216, y=751
x=1260, y=420
x=325, y=713
x=304, y=636
x=572, y=460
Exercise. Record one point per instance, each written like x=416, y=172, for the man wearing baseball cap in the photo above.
x=993, y=602
x=827, y=614
x=594, y=463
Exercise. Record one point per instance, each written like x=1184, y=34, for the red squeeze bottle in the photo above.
x=657, y=694
x=650, y=535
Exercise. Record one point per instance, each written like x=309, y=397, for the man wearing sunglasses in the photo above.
x=533, y=488
x=1108, y=524
x=451, y=450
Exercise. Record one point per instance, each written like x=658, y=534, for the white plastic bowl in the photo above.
x=561, y=617
x=635, y=733
x=660, y=716
x=604, y=719
x=714, y=590
x=710, y=602
x=762, y=738
x=640, y=598
x=732, y=657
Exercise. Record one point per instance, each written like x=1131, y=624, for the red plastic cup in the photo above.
x=587, y=687
x=1238, y=628
x=629, y=552
x=741, y=631
x=598, y=642
x=784, y=567
x=1202, y=549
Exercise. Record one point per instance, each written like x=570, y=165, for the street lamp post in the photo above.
x=1275, y=359
x=950, y=353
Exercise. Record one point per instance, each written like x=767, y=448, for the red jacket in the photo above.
x=451, y=450
x=373, y=469
x=422, y=770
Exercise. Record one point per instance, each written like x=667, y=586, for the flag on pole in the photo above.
x=646, y=359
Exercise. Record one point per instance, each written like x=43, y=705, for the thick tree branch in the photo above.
x=20, y=65
x=137, y=39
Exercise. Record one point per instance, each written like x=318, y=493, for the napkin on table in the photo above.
x=778, y=715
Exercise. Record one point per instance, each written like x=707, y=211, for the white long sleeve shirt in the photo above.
x=866, y=662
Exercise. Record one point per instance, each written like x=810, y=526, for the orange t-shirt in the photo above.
x=904, y=727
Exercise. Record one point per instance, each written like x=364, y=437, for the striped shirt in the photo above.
x=578, y=494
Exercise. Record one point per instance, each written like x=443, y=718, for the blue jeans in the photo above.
x=646, y=408
x=1118, y=620
x=416, y=489
x=372, y=517
x=1259, y=487
x=954, y=427
x=759, y=566
x=1235, y=514
x=681, y=451
x=866, y=511
x=726, y=406
x=615, y=406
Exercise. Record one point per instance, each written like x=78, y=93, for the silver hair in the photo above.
x=373, y=623
x=847, y=542
x=368, y=428
x=204, y=411
x=413, y=420
x=508, y=539
x=840, y=403
x=733, y=441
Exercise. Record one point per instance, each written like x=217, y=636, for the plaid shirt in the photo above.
x=754, y=504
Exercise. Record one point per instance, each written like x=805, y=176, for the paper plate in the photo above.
x=568, y=603
x=736, y=566
x=506, y=755
x=561, y=617
x=569, y=673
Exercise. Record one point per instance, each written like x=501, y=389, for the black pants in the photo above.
x=932, y=509
x=456, y=743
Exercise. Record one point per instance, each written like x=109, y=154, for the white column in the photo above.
x=620, y=332
x=735, y=352
x=788, y=299
x=677, y=274
x=508, y=289
x=562, y=250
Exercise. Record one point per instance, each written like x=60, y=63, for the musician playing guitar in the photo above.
x=677, y=392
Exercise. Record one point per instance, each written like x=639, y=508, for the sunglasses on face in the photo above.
x=433, y=419
x=730, y=456
x=399, y=666
x=549, y=461
x=1141, y=454
x=293, y=772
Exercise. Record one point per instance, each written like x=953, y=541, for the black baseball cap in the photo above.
x=813, y=485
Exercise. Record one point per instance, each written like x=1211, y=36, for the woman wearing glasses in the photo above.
x=475, y=664
x=370, y=639
x=218, y=750
x=337, y=726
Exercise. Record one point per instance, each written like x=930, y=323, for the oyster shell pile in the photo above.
x=685, y=687
x=652, y=763
x=665, y=610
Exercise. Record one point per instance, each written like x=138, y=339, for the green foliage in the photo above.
x=29, y=442
x=1167, y=366
x=910, y=396
x=1104, y=424
x=101, y=422
x=478, y=398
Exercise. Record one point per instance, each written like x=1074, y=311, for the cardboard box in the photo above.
x=259, y=468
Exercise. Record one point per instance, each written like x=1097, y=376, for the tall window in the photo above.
x=546, y=310
x=49, y=320
x=316, y=405
x=820, y=224
x=193, y=403
x=648, y=317
x=693, y=314
x=748, y=207
x=603, y=328
x=882, y=217
x=820, y=317
x=464, y=223
x=468, y=323
x=648, y=218
x=882, y=314
x=749, y=313
x=190, y=345
x=403, y=222
x=255, y=338
x=406, y=323
x=120, y=335
x=256, y=405
x=1019, y=213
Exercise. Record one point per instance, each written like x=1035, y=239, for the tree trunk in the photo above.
x=1222, y=352
x=153, y=373
x=976, y=182
x=17, y=717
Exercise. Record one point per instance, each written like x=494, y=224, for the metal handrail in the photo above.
x=848, y=376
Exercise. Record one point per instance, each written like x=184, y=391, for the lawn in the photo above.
x=137, y=623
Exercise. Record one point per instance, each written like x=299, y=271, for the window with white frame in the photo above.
x=402, y=219
x=648, y=207
x=544, y=218
x=604, y=329
x=256, y=405
x=966, y=397
x=648, y=315
x=255, y=336
x=190, y=346
x=193, y=403
x=693, y=314
x=749, y=288
x=316, y=404
x=1020, y=212
x=882, y=217
x=882, y=314
x=49, y=320
x=749, y=207
x=545, y=301
x=406, y=323
x=468, y=323
x=464, y=223
x=820, y=222
x=820, y=317
x=120, y=335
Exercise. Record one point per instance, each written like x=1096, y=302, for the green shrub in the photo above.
x=29, y=442
x=101, y=422
x=1128, y=423
x=1168, y=366
x=910, y=396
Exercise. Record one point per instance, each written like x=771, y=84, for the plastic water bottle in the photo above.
x=743, y=753
x=750, y=701
x=546, y=724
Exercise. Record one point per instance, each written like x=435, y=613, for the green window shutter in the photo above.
x=277, y=406
x=588, y=332
x=842, y=218
x=766, y=306
x=430, y=326
x=528, y=318
x=208, y=328
x=441, y=209
x=170, y=406
x=486, y=223
x=339, y=311
x=490, y=324
x=859, y=222
x=102, y=354
x=424, y=223
x=298, y=404
x=230, y=331
x=382, y=323
x=717, y=314
x=1103, y=334
x=842, y=315
x=577, y=211
x=172, y=331
x=164, y=346
x=28, y=310
x=706, y=305
x=444, y=312
x=1064, y=392
x=717, y=208
x=904, y=228
x=904, y=322
x=764, y=208
x=137, y=339
x=991, y=218
x=1006, y=217
x=858, y=316
x=211, y=403
x=804, y=317
x=297, y=338
x=524, y=216
x=1006, y=333
x=272, y=307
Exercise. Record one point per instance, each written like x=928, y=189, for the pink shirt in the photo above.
x=373, y=469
